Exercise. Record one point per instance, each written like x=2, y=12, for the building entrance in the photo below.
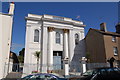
x=57, y=60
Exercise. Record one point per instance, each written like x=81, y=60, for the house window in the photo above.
x=113, y=39
x=57, y=37
x=76, y=38
x=115, y=50
x=36, y=35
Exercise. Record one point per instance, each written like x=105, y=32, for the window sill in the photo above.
x=116, y=55
x=35, y=42
x=114, y=41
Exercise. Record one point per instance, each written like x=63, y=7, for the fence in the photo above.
x=74, y=70
x=97, y=65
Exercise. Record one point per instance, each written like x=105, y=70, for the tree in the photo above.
x=21, y=55
x=37, y=55
x=88, y=56
x=21, y=59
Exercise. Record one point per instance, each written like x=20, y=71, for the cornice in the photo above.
x=52, y=20
x=6, y=14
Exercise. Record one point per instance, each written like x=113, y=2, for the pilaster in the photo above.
x=44, y=36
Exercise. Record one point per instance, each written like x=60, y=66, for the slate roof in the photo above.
x=106, y=33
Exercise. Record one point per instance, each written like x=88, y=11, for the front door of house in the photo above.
x=57, y=60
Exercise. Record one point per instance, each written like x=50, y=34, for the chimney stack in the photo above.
x=11, y=9
x=118, y=28
x=103, y=27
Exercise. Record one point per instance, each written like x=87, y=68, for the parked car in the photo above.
x=101, y=74
x=42, y=76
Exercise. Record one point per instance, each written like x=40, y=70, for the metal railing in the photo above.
x=74, y=70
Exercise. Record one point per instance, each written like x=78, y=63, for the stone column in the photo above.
x=71, y=44
x=50, y=49
x=65, y=43
x=65, y=51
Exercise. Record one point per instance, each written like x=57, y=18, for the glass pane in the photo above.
x=76, y=38
x=113, y=38
x=36, y=36
x=115, y=51
x=58, y=37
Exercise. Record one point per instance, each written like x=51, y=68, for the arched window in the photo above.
x=76, y=38
x=36, y=35
x=57, y=37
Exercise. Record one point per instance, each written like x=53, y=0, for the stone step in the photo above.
x=14, y=75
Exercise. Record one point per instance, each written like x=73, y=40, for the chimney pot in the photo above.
x=118, y=28
x=11, y=9
x=12, y=2
x=103, y=27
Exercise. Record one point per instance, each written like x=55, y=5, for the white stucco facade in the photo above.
x=56, y=38
x=5, y=36
x=6, y=21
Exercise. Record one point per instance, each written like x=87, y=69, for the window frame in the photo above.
x=36, y=35
x=115, y=51
x=76, y=39
x=58, y=38
x=113, y=38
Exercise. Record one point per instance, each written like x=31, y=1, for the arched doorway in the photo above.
x=111, y=61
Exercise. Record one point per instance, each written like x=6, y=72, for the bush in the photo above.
x=34, y=71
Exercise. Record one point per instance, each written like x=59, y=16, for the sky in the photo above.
x=91, y=13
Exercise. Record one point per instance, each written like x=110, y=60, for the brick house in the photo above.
x=101, y=45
